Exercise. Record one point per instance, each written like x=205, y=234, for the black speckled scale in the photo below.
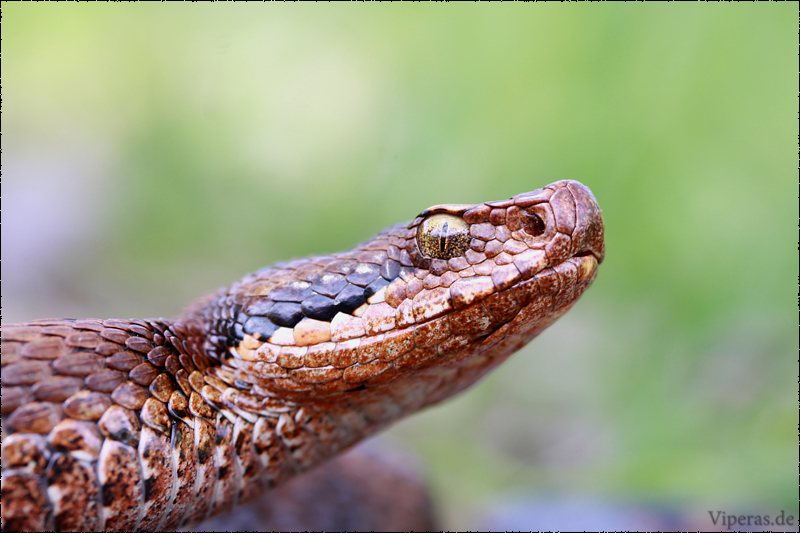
x=310, y=289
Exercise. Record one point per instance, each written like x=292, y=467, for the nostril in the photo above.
x=533, y=225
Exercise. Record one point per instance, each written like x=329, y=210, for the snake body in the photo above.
x=159, y=424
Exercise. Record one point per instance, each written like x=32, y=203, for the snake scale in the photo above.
x=159, y=424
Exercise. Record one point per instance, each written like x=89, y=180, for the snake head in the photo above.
x=414, y=314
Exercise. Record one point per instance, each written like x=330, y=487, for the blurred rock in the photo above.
x=366, y=489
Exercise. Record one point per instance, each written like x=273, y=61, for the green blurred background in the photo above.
x=152, y=153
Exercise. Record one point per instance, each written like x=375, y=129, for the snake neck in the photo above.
x=403, y=320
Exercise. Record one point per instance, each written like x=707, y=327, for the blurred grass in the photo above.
x=221, y=138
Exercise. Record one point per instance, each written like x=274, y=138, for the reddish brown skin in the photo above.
x=159, y=424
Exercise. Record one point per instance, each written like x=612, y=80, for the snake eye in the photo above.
x=443, y=236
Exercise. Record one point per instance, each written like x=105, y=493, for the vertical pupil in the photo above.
x=442, y=236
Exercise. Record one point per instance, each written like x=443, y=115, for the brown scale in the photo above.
x=157, y=424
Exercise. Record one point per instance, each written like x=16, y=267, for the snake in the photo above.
x=157, y=424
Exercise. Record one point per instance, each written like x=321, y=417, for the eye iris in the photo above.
x=443, y=236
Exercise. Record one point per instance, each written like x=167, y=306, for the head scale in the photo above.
x=417, y=313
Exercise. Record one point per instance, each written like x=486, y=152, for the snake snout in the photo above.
x=588, y=235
